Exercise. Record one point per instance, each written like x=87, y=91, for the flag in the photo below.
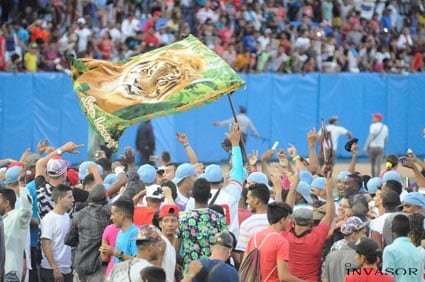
x=165, y=81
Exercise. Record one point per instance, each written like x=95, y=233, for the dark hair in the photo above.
x=126, y=206
x=401, y=225
x=394, y=185
x=88, y=180
x=153, y=274
x=201, y=190
x=217, y=208
x=277, y=210
x=417, y=232
x=391, y=200
x=393, y=159
x=105, y=163
x=357, y=179
x=175, y=165
x=9, y=195
x=172, y=187
x=260, y=191
x=166, y=157
x=60, y=191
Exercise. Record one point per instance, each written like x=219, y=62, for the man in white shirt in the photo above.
x=336, y=131
x=375, y=144
x=16, y=223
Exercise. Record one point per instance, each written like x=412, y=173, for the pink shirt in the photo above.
x=110, y=235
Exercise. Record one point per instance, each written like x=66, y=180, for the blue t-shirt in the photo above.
x=34, y=230
x=125, y=242
x=223, y=272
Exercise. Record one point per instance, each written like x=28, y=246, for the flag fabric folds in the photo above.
x=165, y=81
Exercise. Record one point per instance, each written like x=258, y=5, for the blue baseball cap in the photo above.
x=213, y=173
x=343, y=174
x=306, y=176
x=259, y=178
x=415, y=198
x=109, y=179
x=83, y=169
x=12, y=175
x=392, y=175
x=183, y=171
x=304, y=189
x=319, y=183
x=147, y=174
x=373, y=184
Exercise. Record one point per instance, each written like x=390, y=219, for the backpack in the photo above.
x=249, y=271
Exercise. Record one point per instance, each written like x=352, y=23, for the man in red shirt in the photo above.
x=273, y=248
x=305, y=242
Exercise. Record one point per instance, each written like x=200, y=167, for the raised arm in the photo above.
x=354, y=155
x=182, y=138
x=294, y=179
x=330, y=205
x=314, y=162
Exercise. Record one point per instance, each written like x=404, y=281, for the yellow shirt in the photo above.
x=30, y=62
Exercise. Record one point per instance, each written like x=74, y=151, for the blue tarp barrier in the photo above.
x=282, y=107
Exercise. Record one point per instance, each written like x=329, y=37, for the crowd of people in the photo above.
x=288, y=36
x=109, y=219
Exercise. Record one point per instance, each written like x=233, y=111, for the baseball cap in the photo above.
x=319, y=183
x=160, y=170
x=259, y=178
x=350, y=143
x=81, y=21
x=12, y=174
x=392, y=175
x=84, y=169
x=343, y=175
x=154, y=191
x=377, y=116
x=56, y=167
x=413, y=198
x=31, y=160
x=148, y=232
x=213, y=173
x=183, y=171
x=373, y=184
x=352, y=224
x=303, y=215
x=224, y=239
x=72, y=176
x=169, y=209
x=109, y=179
x=147, y=174
x=306, y=176
x=367, y=247
x=304, y=189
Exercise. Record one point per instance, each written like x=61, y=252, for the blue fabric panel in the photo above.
x=415, y=114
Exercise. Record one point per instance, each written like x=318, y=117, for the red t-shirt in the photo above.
x=306, y=252
x=273, y=249
x=143, y=215
x=368, y=275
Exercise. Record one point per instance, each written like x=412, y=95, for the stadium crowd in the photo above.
x=288, y=36
x=111, y=219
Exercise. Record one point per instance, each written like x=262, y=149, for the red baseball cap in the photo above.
x=72, y=177
x=168, y=209
x=378, y=116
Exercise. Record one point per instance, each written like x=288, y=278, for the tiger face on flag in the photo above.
x=171, y=79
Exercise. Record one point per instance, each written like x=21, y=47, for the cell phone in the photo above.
x=274, y=147
x=403, y=161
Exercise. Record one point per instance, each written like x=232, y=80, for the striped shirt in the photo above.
x=253, y=224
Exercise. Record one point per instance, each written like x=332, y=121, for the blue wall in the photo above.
x=283, y=107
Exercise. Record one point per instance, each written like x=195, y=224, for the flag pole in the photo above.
x=241, y=143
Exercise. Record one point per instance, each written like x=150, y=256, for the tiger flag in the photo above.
x=167, y=80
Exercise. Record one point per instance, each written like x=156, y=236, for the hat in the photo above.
x=56, y=167
x=213, y=173
x=97, y=194
x=267, y=30
x=304, y=189
x=343, y=175
x=160, y=170
x=154, y=191
x=306, y=176
x=303, y=215
x=183, y=171
x=392, y=175
x=350, y=143
x=333, y=119
x=373, y=184
x=413, y=198
x=224, y=239
x=34, y=45
x=109, y=179
x=377, y=116
x=367, y=247
x=31, y=160
x=84, y=169
x=167, y=210
x=319, y=183
x=12, y=174
x=148, y=232
x=157, y=13
x=352, y=225
x=81, y=21
x=147, y=174
x=72, y=176
x=259, y=178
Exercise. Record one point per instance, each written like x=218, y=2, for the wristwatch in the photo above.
x=59, y=151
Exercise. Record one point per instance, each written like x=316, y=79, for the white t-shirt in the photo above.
x=249, y=227
x=83, y=35
x=378, y=136
x=336, y=131
x=168, y=260
x=121, y=271
x=54, y=227
x=377, y=224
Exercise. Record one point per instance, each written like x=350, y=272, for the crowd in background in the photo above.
x=288, y=36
